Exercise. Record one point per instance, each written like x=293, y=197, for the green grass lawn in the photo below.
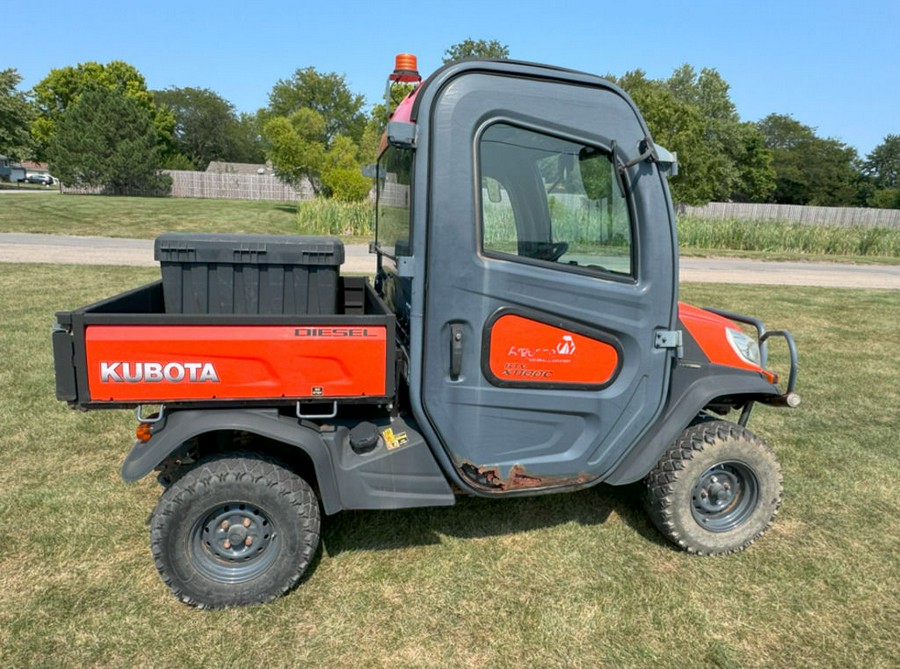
x=574, y=580
x=141, y=217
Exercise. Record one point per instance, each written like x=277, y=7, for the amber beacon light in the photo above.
x=406, y=69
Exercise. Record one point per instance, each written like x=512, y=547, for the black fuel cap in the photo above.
x=364, y=438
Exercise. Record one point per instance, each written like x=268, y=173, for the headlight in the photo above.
x=744, y=345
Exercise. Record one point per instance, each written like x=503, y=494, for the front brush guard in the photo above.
x=789, y=398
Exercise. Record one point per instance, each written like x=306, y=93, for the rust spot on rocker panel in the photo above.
x=490, y=478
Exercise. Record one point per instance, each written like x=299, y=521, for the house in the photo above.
x=35, y=168
x=11, y=170
x=220, y=167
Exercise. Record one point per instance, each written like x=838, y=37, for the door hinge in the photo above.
x=670, y=339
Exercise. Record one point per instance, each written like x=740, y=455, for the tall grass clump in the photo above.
x=322, y=216
x=782, y=237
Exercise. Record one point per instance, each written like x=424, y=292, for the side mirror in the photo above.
x=667, y=161
x=402, y=134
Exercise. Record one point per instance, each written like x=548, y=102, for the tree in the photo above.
x=881, y=172
x=756, y=174
x=707, y=93
x=298, y=152
x=691, y=113
x=206, y=126
x=15, y=116
x=885, y=198
x=107, y=139
x=678, y=126
x=737, y=162
x=63, y=87
x=248, y=147
x=470, y=48
x=809, y=170
x=312, y=130
x=341, y=172
x=326, y=94
x=296, y=146
x=882, y=165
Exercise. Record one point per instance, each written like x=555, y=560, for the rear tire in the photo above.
x=235, y=530
x=716, y=490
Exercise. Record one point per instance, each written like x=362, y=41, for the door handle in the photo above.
x=456, y=350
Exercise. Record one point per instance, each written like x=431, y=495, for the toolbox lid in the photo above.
x=195, y=247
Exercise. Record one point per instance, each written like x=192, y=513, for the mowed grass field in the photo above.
x=574, y=580
x=140, y=217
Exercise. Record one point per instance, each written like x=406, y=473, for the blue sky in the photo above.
x=831, y=65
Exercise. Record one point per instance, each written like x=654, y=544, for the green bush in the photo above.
x=886, y=198
x=347, y=184
x=322, y=216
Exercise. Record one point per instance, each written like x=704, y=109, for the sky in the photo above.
x=831, y=65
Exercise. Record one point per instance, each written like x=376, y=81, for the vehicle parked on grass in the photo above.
x=522, y=336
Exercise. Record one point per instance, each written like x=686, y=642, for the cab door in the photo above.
x=550, y=270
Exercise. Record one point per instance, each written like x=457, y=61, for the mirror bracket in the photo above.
x=401, y=134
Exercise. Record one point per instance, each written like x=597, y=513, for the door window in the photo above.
x=545, y=199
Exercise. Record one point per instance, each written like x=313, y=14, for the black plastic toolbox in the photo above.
x=249, y=274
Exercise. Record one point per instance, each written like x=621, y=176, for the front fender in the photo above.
x=181, y=426
x=691, y=390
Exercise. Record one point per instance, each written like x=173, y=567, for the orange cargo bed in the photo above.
x=126, y=351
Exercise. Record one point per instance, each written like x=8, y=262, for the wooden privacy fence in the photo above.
x=232, y=186
x=235, y=186
x=789, y=213
x=219, y=186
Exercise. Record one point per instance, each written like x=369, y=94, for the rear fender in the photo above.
x=179, y=427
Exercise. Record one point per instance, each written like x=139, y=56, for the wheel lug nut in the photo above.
x=715, y=479
x=227, y=544
x=246, y=522
x=727, y=486
x=248, y=541
x=704, y=494
x=224, y=525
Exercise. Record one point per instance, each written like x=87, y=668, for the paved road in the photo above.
x=57, y=249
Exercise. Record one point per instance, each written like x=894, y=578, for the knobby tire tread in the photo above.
x=232, y=468
x=663, y=479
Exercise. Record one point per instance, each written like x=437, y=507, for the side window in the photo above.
x=549, y=199
x=392, y=218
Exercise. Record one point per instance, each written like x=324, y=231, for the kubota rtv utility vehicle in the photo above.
x=522, y=336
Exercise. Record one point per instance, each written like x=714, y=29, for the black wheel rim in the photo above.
x=725, y=496
x=234, y=543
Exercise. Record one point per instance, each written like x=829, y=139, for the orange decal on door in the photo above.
x=525, y=351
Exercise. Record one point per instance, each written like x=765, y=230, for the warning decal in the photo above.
x=394, y=440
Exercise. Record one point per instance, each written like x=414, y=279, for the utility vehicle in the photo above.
x=522, y=336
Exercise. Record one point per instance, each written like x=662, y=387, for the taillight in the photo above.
x=143, y=432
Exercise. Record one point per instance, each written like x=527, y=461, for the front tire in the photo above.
x=716, y=490
x=234, y=530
